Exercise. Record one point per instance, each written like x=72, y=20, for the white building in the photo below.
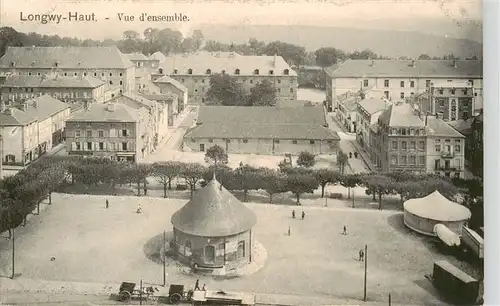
x=399, y=79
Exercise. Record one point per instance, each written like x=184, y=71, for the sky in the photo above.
x=352, y=13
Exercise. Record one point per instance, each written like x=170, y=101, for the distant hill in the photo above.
x=384, y=42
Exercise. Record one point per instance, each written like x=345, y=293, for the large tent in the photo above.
x=421, y=215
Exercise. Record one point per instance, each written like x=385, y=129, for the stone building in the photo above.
x=400, y=79
x=33, y=129
x=262, y=130
x=214, y=230
x=368, y=112
x=112, y=130
x=15, y=88
x=194, y=71
x=105, y=63
x=168, y=85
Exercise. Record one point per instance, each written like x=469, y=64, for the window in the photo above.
x=175, y=71
x=101, y=146
x=245, y=140
x=89, y=134
x=453, y=91
x=208, y=71
x=441, y=91
x=286, y=72
x=78, y=146
x=394, y=145
x=276, y=141
x=121, y=82
x=294, y=141
x=95, y=74
x=102, y=74
x=403, y=131
x=402, y=95
x=112, y=146
x=29, y=73
x=412, y=145
x=65, y=74
x=241, y=249
x=124, y=133
x=437, y=147
x=291, y=90
x=210, y=140
x=403, y=145
x=256, y=72
x=38, y=73
x=77, y=133
x=471, y=82
x=89, y=146
x=237, y=71
x=394, y=159
x=402, y=160
x=271, y=71
x=386, y=93
x=121, y=74
x=84, y=74
x=278, y=89
x=101, y=134
x=412, y=160
x=110, y=82
x=203, y=81
x=279, y=81
x=182, y=80
x=311, y=141
x=386, y=83
x=458, y=147
x=251, y=81
x=192, y=140
x=365, y=83
x=124, y=146
x=75, y=74
x=421, y=145
x=412, y=84
x=223, y=71
x=402, y=83
x=421, y=160
x=228, y=140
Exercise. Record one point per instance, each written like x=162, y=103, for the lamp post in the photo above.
x=164, y=259
x=366, y=267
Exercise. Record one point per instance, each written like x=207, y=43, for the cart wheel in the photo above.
x=175, y=298
x=125, y=296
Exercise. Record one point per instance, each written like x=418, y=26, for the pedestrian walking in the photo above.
x=197, y=285
x=139, y=209
x=303, y=215
x=107, y=203
x=204, y=288
x=345, y=230
x=293, y=214
x=361, y=255
x=289, y=230
x=350, y=154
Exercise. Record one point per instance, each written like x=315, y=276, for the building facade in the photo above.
x=111, y=130
x=16, y=88
x=105, y=63
x=400, y=79
x=194, y=72
x=168, y=85
x=368, y=112
x=262, y=130
x=34, y=129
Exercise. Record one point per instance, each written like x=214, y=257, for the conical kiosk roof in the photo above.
x=213, y=212
x=437, y=207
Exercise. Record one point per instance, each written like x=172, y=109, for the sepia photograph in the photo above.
x=289, y=153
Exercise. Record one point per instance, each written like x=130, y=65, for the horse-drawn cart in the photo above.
x=128, y=292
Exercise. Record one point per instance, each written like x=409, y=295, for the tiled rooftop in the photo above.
x=53, y=81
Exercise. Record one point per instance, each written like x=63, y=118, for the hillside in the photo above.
x=388, y=43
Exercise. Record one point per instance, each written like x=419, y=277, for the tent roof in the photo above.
x=213, y=212
x=436, y=207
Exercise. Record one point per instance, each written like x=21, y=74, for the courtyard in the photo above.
x=93, y=244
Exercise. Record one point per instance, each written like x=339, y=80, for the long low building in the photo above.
x=262, y=130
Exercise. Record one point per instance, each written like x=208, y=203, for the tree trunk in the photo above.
x=191, y=192
x=50, y=198
x=374, y=194
x=138, y=188
x=245, y=195
x=348, y=193
x=10, y=232
x=298, y=198
x=270, y=198
x=169, y=183
x=25, y=220
x=380, y=200
x=402, y=198
x=164, y=190
x=38, y=208
x=323, y=190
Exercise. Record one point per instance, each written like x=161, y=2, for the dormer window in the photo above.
x=56, y=64
x=160, y=71
x=176, y=71
x=286, y=72
x=256, y=72
x=223, y=71
x=209, y=71
x=237, y=71
x=271, y=71
x=12, y=64
x=190, y=71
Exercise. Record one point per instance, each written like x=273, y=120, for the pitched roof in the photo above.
x=199, y=63
x=100, y=113
x=65, y=57
x=157, y=56
x=44, y=107
x=213, y=212
x=15, y=117
x=136, y=56
x=134, y=100
x=400, y=115
x=404, y=68
x=437, y=127
x=262, y=122
x=372, y=105
x=167, y=79
x=55, y=81
x=293, y=103
x=158, y=97
x=461, y=125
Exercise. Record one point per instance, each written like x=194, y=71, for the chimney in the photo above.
x=455, y=63
x=111, y=107
x=413, y=63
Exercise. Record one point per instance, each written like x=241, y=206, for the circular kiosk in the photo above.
x=214, y=229
x=421, y=215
